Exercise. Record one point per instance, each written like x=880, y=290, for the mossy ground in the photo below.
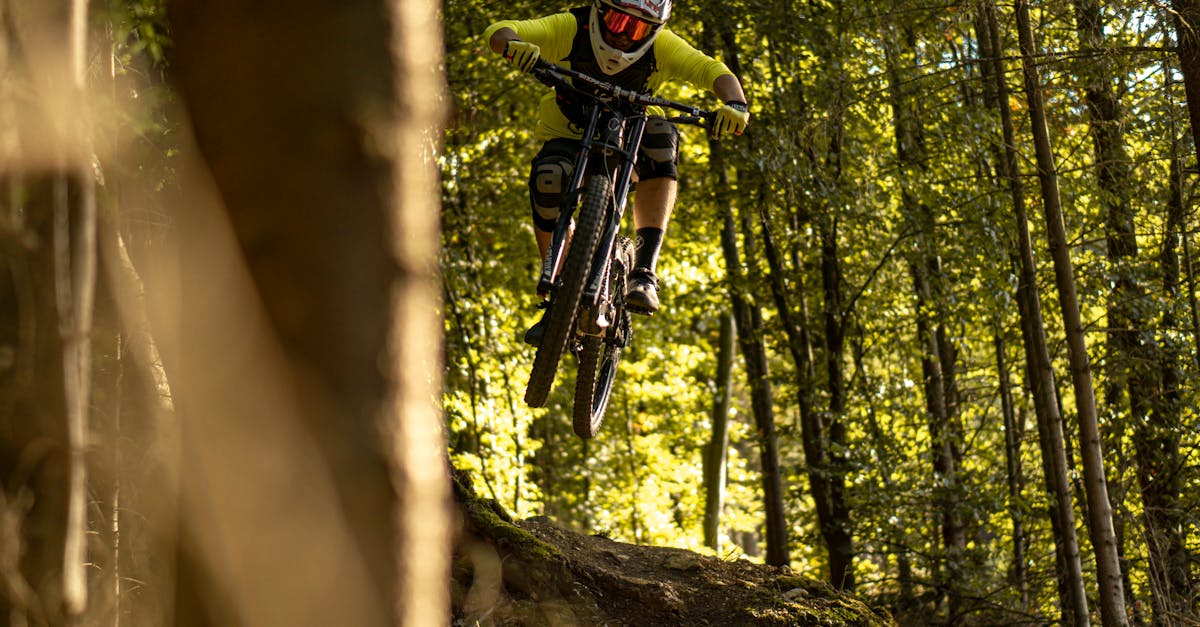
x=536, y=572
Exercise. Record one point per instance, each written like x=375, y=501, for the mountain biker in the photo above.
x=623, y=42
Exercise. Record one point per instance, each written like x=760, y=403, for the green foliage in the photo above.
x=821, y=154
x=139, y=29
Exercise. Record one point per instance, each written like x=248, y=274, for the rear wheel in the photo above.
x=599, y=357
x=560, y=321
x=598, y=363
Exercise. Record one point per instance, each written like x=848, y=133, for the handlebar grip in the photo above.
x=697, y=120
x=544, y=72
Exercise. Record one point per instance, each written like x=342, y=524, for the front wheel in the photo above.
x=560, y=322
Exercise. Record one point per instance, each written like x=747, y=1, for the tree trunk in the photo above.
x=936, y=358
x=1141, y=366
x=1187, y=35
x=837, y=529
x=715, y=453
x=750, y=340
x=822, y=432
x=1100, y=525
x=48, y=301
x=748, y=317
x=1014, y=433
x=826, y=475
x=1040, y=375
x=831, y=436
x=1161, y=468
x=1014, y=421
x=1129, y=359
x=315, y=416
x=754, y=353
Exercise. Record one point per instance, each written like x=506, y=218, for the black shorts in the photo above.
x=550, y=171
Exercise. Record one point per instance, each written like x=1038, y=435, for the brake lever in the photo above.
x=701, y=118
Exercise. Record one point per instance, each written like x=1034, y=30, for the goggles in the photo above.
x=631, y=26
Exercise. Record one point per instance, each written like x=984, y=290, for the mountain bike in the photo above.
x=585, y=270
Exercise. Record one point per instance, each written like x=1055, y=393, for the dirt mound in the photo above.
x=535, y=572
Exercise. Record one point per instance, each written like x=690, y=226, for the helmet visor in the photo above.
x=631, y=26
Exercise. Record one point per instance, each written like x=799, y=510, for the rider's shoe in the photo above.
x=534, y=335
x=642, y=295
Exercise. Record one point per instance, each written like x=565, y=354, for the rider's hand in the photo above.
x=522, y=54
x=731, y=119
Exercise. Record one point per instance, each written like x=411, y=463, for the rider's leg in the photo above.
x=543, y=241
x=652, y=205
x=549, y=176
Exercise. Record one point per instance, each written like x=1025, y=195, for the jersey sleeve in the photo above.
x=553, y=33
x=678, y=60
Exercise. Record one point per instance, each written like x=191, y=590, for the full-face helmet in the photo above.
x=623, y=30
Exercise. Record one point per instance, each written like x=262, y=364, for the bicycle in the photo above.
x=585, y=270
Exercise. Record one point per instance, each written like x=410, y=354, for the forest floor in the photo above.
x=536, y=572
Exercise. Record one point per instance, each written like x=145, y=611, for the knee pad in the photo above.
x=548, y=180
x=659, y=155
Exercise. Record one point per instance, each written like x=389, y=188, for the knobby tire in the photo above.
x=560, y=321
x=597, y=370
x=600, y=356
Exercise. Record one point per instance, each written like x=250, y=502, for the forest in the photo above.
x=929, y=327
x=929, y=344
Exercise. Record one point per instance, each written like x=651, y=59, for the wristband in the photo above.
x=737, y=106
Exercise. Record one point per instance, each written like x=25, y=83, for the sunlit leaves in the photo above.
x=821, y=152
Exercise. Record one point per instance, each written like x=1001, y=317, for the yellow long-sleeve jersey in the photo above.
x=674, y=60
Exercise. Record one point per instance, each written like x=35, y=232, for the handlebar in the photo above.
x=558, y=76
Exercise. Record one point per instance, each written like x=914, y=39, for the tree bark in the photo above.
x=1100, y=524
x=715, y=453
x=936, y=358
x=1040, y=375
x=324, y=428
x=1014, y=433
x=50, y=274
x=1187, y=35
x=748, y=317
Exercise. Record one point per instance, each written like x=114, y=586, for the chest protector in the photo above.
x=635, y=77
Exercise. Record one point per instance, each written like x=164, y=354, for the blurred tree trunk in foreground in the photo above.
x=48, y=270
x=314, y=490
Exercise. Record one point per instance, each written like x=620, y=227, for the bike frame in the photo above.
x=616, y=149
x=621, y=115
x=587, y=316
